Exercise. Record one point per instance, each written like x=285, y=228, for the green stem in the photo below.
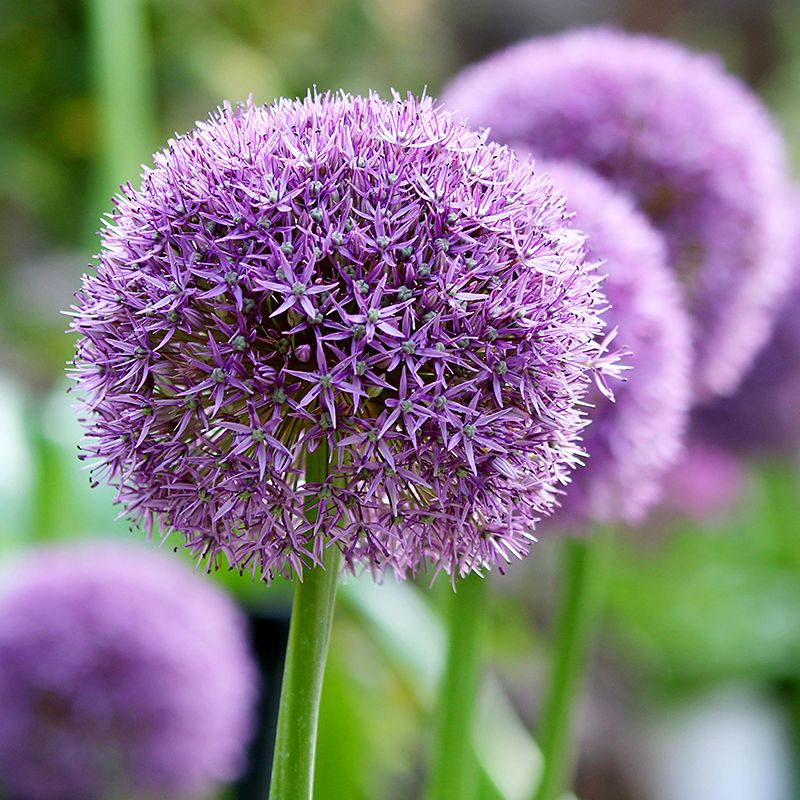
x=309, y=636
x=453, y=770
x=124, y=79
x=579, y=605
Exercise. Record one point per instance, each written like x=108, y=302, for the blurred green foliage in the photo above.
x=719, y=603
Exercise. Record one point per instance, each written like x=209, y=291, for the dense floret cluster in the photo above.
x=368, y=277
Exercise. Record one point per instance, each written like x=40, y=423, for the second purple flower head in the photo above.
x=634, y=441
x=690, y=143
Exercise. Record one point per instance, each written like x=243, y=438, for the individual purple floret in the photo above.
x=122, y=674
x=763, y=417
x=371, y=276
x=634, y=441
x=690, y=143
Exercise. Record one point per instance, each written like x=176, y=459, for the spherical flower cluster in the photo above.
x=689, y=142
x=122, y=674
x=634, y=441
x=763, y=417
x=347, y=273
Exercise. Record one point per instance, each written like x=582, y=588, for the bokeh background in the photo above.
x=695, y=688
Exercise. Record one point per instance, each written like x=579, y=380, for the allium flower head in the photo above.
x=690, y=143
x=122, y=674
x=631, y=442
x=763, y=416
x=368, y=276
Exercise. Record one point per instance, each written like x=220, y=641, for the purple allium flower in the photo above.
x=689, y=142
x=634, y=441
x=763, y=417
x=122, y=674
x=371, y=276
x=705, y=483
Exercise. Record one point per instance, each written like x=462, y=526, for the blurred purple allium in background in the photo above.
x=705, y=483
x=690, y=143
x=763, y=417
x=634, y=441
x=337, y=270
x=122, y=674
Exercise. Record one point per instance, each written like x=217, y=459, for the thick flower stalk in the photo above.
x=633, y=441
x=366, y=276
x=122, y=674
x=690, y=143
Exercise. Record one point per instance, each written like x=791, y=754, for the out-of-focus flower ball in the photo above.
x=122, y=674
x=633, y=441
x=690, y=143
